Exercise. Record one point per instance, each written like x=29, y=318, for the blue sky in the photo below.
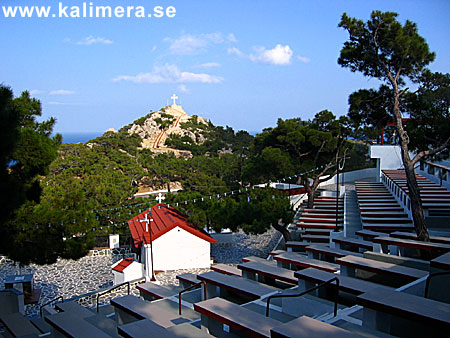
x=242, y=63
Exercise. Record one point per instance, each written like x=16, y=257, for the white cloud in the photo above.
x=231, y=37
x=188, y=44
x=55, y=103
x=235, y=51
x=62, y=92
x=90, y=40
x=169, y=74
x=303, y=59
x=36, y=92
x=183, y=88
x=280, y=55
x=208, y=65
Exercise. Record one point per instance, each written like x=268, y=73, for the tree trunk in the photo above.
x=413, y=187
x=416, y=202
x=285, y=232
x=311, y=196
x=311, y=190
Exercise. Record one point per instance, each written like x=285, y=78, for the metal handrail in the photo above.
x=49, y=302
x=431, y=275
x=308, y=291
x=109, y=290
x=183, y=291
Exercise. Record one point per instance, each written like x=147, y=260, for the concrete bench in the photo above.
x=70, y=325
x=442, y=262
x=266, y=273
x=353, y=243
x=226, y=269
x=311, y=277
x=306, y=327
x=236, y=285
x=399, y=245
x=369, y=235
x=419, y=317
x=398, y=260
x=297, y=261
x=75, y=309
x=391, y=273
x=12, y=301
x=259, y=259
x=18, y=325
x=273, y=253
x=296, y=246
x=130, y=309
x=187, y=279
x=147, y=329
x=323, y=252
x=216, y=312
x=413, y=236
x=151, y=291
x=143, y=329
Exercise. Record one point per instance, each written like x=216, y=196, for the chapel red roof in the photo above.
x=165, y=218
x=123, y=264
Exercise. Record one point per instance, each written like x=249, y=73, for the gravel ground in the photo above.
x=69, y=278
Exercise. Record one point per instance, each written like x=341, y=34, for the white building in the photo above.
x=177, y=244
x=127, y=270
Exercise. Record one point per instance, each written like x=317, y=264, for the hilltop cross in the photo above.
x=174, y=97
x=160, y=198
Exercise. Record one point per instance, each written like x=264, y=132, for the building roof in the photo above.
x=123, y=264
x=165, y=218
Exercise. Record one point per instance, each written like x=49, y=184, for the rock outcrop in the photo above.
x=157, y=126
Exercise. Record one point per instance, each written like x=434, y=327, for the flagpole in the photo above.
x=150, y=219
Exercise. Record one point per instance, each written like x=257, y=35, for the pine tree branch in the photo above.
x=430, y=152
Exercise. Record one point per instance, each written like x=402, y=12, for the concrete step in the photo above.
x=387, y=220
x=323, y=232
x=330, y=226
x=320, y=220
x=316, y=238
x=384, y=214
x=388, y=227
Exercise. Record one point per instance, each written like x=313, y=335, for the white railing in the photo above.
x=399, y=194
x=344, y=225
x=437, y=173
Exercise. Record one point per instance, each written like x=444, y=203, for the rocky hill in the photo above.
x=170, y=122
x=171, y=129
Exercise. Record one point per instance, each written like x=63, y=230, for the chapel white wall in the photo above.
x=179, y=249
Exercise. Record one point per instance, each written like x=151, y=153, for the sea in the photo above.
x=80, y=137
x=83, y=137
